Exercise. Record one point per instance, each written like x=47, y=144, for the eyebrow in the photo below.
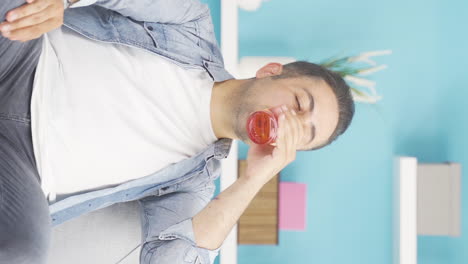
x=311, y=108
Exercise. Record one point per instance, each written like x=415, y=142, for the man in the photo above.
x=130, y=101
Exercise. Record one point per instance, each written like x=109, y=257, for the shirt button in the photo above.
x=206, y=64
x=164, y=188
x=150, y=28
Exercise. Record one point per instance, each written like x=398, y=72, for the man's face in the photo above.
x=313, y=101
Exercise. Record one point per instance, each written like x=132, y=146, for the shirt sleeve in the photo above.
x=167, y=230
x=179, y=239
x=158, y=11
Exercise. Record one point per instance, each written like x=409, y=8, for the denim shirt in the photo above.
x=181, y=31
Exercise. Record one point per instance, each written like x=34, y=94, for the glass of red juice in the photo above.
x=262, y=127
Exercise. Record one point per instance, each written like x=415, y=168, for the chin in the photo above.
x=245, y=139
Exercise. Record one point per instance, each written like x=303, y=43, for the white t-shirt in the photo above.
x=104, y=114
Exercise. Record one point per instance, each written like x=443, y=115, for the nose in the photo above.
x=277, y=110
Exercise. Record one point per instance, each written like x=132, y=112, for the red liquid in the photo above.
x=262, y=127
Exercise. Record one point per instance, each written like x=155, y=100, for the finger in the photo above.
x=297, y=134
x=292, y=136
x=26, y=10
x=280, y=142
x=31, y=20
x=33, y=32
x=299, y=129
x=277, y=111
x=305, y=132
x=294, y=133
x=288, y=134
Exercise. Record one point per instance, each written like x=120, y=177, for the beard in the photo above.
x=243, y=104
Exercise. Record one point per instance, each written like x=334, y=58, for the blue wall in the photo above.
x=349, y=214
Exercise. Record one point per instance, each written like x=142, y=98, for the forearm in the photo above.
x=212, y=225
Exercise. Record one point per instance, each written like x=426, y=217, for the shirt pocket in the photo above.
x=156, y=32
x=182, y=36
x=191, y=181
x=195, y=183
x=177, y=42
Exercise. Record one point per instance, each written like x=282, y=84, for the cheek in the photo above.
x=277, y=98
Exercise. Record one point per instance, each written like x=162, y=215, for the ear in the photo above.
x=271, y=69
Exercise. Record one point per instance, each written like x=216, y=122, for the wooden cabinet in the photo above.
x=259, y=223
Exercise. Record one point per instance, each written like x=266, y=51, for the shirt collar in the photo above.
x=222, y=148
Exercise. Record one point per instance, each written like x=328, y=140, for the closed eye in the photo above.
x=298, y=104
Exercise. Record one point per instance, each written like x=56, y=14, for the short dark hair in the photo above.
x=339, y=87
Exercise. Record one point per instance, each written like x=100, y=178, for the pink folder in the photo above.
x=292, y=206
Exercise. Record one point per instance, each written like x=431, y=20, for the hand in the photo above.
x=32, y=19
x=265, y=161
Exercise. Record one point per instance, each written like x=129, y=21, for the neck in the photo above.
x=222, y=102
